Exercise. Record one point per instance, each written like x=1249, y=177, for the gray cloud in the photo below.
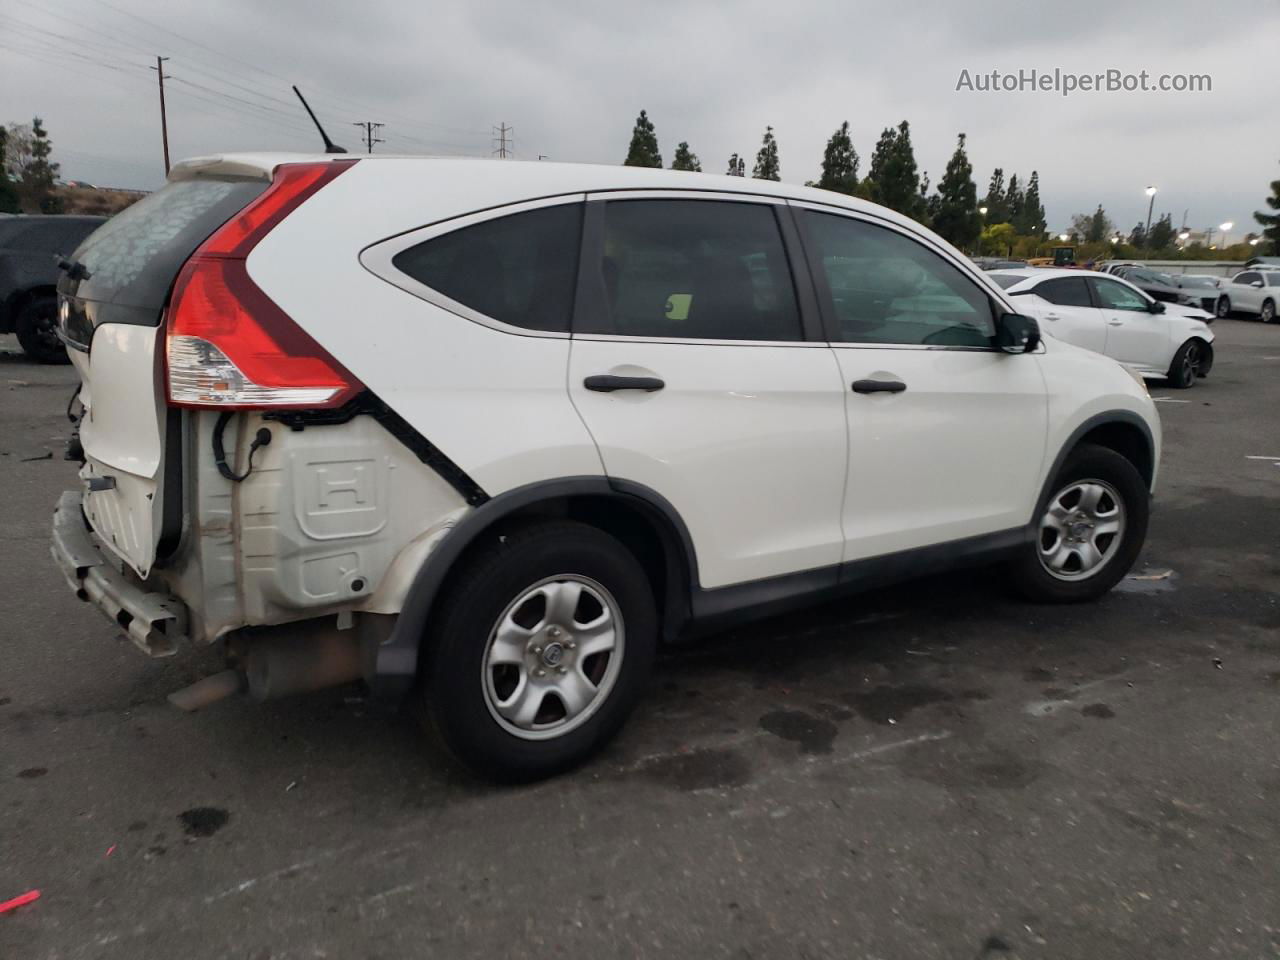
x=571, y=76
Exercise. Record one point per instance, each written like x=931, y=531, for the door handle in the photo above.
x=605, y=383
x=1051, y=316
x=878, y=386
x=1116, y=322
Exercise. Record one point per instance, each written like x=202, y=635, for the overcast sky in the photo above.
x=570, y=78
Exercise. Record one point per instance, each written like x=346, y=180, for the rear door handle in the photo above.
x=1115, y=323
x=605, y=383
x=878, y=386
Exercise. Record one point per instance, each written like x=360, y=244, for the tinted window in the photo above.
x=519, y=269
x=1195, y=282
x=702, y=269
x=133, y=258
x=1006, y=280
x=1067, y=291
x=1116, y=296
x=1248, y=277
x=887, y=288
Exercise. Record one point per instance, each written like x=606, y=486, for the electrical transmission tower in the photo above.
x=370, y=134
x=504, y=145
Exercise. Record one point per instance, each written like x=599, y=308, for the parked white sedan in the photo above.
x=1254, y=292
x=1109, y=315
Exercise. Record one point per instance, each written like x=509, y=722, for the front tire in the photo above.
x=1268, y=312
x=541, y=650
x=1222, y=308
x=1088, y=532
x=36, y=326
x=1186, y=364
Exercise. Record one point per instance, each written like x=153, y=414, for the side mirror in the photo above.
x=1256, y=283
x=1155, y=306
x=1016, y=333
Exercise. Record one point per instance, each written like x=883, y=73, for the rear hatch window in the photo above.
x=133, y=259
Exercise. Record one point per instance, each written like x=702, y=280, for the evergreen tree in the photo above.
x=840, y=163
x=1032, y=210
x=1097, y=228
x=1014, y=203
x=893, y=179
x=767, y=167
x=643, y=151
x=1138, y=237
x=736, y=166
x=686, y=159
x=8, y=195
x=1271, y=221
x=995, y=201
x=36, y=185
x=957, y=219
x=1161, y=233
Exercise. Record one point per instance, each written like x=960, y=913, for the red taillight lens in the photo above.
x=228, y=345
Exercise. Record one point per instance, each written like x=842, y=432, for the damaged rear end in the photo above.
x=237, y=481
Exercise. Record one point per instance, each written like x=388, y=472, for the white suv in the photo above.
x=488, y=432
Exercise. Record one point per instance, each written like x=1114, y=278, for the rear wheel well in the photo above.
x=639, y=527
x=1126, y=440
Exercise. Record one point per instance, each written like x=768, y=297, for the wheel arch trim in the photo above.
x=1126, y=418
x=396, y=664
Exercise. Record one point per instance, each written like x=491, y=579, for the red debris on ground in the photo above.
x=20, y=901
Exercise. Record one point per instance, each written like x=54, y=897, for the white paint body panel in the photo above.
x=746, y=442
x=122, y=433
x=956, y=454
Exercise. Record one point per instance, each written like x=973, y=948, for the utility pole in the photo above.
x=164, y=120
x=370, y=135
x=504, y=145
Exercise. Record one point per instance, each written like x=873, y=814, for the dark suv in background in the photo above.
x=29, y=276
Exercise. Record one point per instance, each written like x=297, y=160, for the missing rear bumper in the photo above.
x=154, y=621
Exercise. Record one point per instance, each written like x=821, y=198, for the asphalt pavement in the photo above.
x=932, y=771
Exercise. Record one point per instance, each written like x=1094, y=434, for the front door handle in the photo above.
x=1116, y=322
x=878, y=386
x=605, y=383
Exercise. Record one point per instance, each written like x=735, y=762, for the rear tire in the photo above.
x=1268, y=312
x=36, y=326
x=510, y=684
x=1068, y=523
x=1186, y=364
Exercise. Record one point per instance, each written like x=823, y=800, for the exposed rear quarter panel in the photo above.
x=494, y=402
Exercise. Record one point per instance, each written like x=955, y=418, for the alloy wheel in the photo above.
x=1081, y=530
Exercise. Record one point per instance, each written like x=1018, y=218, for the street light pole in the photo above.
x=1146, y=236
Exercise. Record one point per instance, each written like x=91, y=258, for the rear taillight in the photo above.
x=228, y=345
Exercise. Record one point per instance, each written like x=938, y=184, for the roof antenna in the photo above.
x=329, y=145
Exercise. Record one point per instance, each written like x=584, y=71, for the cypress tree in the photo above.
x=685, y=159
x=767, y=167
x=643, y=151
x=957, y=219
x=840, y=163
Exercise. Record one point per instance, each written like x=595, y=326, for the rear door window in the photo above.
x=134, y=257
x=519, y=269
x=1065, y=291
x=696, y=269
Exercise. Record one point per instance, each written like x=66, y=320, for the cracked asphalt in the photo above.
x=932, y=771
